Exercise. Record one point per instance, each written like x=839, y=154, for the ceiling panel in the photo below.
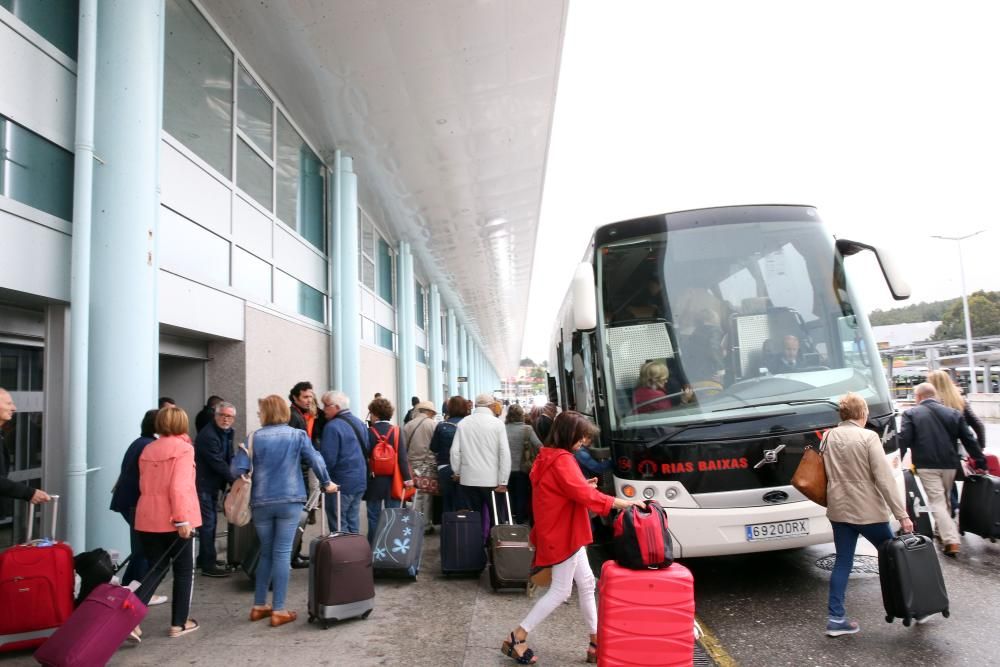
x=446, y=106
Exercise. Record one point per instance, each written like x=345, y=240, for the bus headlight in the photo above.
x=649, y=493
x=628, y=491
x=672, y=493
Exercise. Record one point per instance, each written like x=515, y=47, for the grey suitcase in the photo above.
x=399, y=541
x=511, y=551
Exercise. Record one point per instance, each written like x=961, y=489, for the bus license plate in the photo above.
x=777, y=530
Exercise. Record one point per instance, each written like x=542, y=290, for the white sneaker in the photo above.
x=157, y=599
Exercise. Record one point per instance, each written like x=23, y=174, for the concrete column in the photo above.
x=405, y=322
x=453, y=355
x=463, y=367
x=987, y=382
x=434, y=349
x=124, y=331
x=347, y=300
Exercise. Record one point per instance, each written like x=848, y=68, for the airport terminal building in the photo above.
x=218, y=197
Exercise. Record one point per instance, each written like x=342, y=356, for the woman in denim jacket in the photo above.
x=277, y=498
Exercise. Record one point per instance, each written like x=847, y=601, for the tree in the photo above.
x=527, y=361
x=984, y=312
x=917, y=312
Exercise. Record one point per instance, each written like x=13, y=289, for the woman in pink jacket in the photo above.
x=561, y=497
x=168, y=512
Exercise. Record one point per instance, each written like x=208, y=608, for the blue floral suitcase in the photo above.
x=399, y=541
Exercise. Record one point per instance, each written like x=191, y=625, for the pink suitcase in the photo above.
x=645, y=617
x=36, y=588
x=95, y=630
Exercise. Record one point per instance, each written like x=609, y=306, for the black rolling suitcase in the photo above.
x=341, y=581
x=239, y=541
x=916, y=505
x=462, y=543
x=399, y=541
x=979, y=510
x=912, y=585
x=511, y=552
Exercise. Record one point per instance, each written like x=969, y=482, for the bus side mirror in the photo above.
x=894, y=279
x=584, y=298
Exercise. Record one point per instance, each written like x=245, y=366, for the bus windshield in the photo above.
x=731, y=321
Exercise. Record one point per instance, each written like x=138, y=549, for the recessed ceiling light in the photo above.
x=441, y=121
x=496, y=222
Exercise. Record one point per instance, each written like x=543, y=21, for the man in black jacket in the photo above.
x=213, y=452
x=207, y=413
x=931, y=430
x=10, y=488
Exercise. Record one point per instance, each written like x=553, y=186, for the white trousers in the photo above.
x=575, y=568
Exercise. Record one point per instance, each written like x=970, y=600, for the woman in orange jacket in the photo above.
x=168, y=512
x=561, y=496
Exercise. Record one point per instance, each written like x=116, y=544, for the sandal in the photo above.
x=189, y=626
x=259, y=612
x=509, y=649
x=592, y=652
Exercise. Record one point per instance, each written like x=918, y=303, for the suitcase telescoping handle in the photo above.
x=322, y=508
x=31, y=519
x=496, y=517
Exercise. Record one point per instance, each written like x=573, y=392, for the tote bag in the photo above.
x=810, y=476
x=237, y=503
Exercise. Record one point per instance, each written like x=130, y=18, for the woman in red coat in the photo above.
x=561, y=497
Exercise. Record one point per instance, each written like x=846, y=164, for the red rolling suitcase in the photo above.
x=645, y=617
x=93, y=634
x=36, y=588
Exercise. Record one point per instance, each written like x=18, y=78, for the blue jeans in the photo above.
x=374, y=511
x=208, y=501
x=350, y=512
x=276, y=525
x=845, y=539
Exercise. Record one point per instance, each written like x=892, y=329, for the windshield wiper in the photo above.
x=714, y=422
x=799, y=401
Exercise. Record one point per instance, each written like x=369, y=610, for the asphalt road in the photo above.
x=770, y=609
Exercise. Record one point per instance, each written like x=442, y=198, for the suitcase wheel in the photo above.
x=326, y=625
x=993, y=540
x=888, y=618
x=906, y=622
x=365, y=615
x=946, y=613
x=311, y=618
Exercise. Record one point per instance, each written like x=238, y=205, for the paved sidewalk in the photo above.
x=433, y=621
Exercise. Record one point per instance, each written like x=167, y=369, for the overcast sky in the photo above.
x=884, y=115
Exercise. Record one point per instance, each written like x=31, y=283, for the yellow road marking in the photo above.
x=713, y=646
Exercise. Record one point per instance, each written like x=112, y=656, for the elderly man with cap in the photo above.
x=417, y=434
x=480, y=457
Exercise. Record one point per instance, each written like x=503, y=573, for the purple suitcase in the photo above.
x=95, y=630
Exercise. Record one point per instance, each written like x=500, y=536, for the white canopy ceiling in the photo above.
x=446, y=107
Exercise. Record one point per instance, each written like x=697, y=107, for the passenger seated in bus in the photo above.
x=648, y=303
x=790, y=358
x=703, y=351
x=652, y=394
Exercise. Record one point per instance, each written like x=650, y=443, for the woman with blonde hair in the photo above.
x=276, y=453
x=949, y=395
x=859, y=486
x=167, y=513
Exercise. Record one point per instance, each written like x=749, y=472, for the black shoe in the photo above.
x=300, y=563
x=215, y=572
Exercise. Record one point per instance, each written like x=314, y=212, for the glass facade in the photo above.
x=254, y=174
x=383, y=337
x=21, y=373
x=420, y=316
x=34, y=171
x=198, y=86
x=297, y=297
x=55, y=20
x=254, y=113
x=384, y=266
x=299, y=185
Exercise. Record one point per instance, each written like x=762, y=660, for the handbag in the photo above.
x=810, y=475
x=642, y=538
x=427, y=484
x=237, y=503
x=398, y=491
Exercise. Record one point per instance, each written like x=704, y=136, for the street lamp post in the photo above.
x=965, y=306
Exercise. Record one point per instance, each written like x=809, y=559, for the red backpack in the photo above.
x=642, y=539
x=383, y=456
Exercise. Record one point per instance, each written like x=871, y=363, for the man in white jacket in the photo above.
x=480, y=457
